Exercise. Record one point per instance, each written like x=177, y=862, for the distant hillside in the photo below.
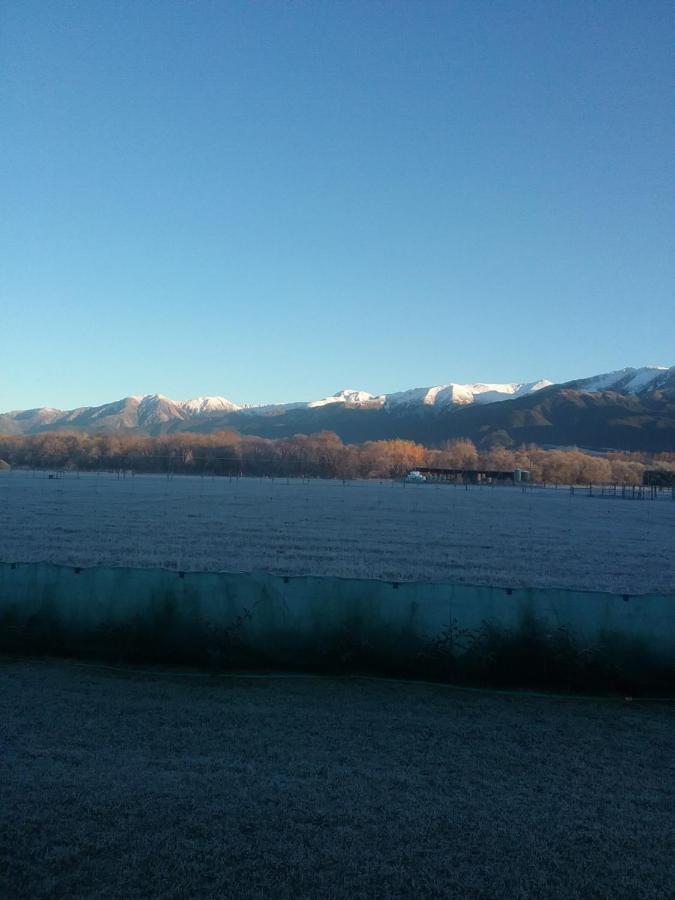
x=632, y=409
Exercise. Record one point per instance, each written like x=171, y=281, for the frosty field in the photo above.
x=152, y=784
x=499, y=535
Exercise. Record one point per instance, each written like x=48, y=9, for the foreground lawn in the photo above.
x=153, y=784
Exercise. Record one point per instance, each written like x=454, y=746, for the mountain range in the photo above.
x=630, y=409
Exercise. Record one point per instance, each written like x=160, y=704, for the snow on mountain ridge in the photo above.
x=348, y=396
x=451, y=394
x=204, y=405
x=462, y=394
x=159, y=406
x=628, y=380
x=156, y=412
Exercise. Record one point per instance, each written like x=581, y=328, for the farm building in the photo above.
x=468, y=476
x=658, y=478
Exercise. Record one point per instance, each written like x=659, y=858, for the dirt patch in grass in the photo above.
x=149, y=783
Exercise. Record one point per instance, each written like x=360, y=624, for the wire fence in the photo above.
x=234, y=467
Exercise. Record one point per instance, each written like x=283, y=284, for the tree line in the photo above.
x=321, y=455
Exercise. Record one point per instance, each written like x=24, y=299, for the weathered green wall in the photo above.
x=488, y=634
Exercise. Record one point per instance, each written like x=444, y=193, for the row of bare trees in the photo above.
x=316, y=455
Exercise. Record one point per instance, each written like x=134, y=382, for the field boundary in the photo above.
x=576, y=640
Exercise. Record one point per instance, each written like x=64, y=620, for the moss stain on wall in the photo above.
x=550, y=638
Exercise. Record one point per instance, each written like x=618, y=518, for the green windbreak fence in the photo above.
x=575, y=639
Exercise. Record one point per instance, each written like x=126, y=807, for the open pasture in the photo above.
x=489, y=535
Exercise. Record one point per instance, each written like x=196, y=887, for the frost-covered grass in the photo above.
x=155, y=785
x=384, y=530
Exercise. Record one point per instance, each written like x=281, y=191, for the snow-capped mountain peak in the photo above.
x=156, y=408
x=347, y=396
x=204, y=405
x=157, y=414
x=626, y=381
x=462, y=394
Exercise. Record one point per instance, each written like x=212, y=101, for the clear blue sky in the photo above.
x=275, y=200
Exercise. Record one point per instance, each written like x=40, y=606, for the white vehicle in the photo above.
x=415, y=476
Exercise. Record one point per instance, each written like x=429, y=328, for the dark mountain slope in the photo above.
x=554, y=416
x=631, y=409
